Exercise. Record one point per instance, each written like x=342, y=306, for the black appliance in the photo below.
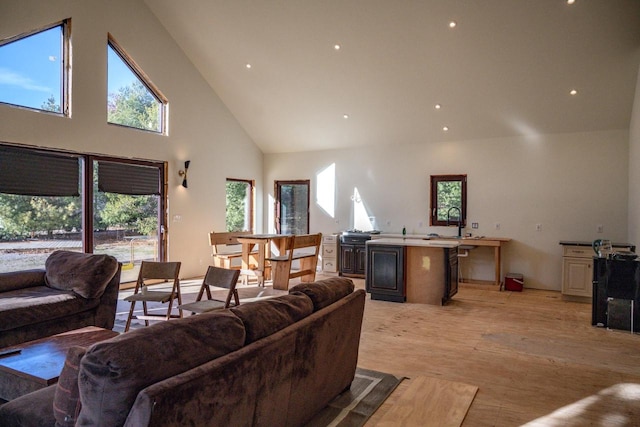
x=353, y=253
x=616, y=293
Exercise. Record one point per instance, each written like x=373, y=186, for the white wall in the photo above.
x=200, y=126
x=569, y=183
x=634, y=169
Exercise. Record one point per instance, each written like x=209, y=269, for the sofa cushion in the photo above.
x=38, y=304
x=85, y=274
x=31, y=410
x=112, y=372
x=263, y=318
x=21, y=279
x=325, y=292
x=66, y=402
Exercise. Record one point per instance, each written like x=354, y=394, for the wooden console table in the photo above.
x=39, y=362
x=494, y=242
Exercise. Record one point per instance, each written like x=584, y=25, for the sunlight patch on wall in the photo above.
x=271, y=220
x=361, y=218
x=326, y=189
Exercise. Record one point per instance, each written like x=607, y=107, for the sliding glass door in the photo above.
x=56, y=200
x=126, y=213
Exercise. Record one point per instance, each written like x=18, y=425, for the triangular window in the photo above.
x=132, y=100
x=34, y=69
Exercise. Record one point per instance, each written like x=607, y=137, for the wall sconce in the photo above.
x=183, y=173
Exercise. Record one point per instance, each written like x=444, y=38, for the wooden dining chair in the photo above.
x=153, y=286
x=216, y=277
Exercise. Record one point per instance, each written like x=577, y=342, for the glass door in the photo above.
x=127, y=220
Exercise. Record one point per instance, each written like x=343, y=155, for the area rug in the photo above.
x=353, y=407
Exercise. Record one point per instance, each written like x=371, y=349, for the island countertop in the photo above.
x=392, y=241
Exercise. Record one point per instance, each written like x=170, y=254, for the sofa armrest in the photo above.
x=106, y=311
x=14, y=280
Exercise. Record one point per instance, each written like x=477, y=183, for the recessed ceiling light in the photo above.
x=452, y=24
x=573, y=92
x=346, y=116
x=437, y=106
x=445, y=128
x=337, y=46
x=571, y=1
x=248, y=66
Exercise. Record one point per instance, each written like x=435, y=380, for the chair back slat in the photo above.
x=221, y=277
x=159, y=270
x=307, y=241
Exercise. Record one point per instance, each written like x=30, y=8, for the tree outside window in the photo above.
x=132, y=100
x=239, y=205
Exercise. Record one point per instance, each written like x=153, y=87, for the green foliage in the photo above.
x=134, y=106
x=237, y=200
x=449, y=195
x=138, y=213
x=27, y=216
x=50, y=105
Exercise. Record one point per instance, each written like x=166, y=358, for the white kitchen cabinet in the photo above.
x=577, y=267
x=330, y=253
x=577, y=276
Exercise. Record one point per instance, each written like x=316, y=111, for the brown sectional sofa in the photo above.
x=73, y=291
x=274, y=362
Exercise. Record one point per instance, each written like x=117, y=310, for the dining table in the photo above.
x=262, y=243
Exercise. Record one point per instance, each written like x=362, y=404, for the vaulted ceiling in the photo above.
x=505, y=69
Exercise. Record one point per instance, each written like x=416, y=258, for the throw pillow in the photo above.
x=66, y=402
x=85, y=274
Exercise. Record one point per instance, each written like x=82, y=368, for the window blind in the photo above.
x=127, y=178
x=29, y=172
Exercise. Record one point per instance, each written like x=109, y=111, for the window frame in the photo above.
x=252, y=184
x=145, y=80
x=65, y=66
x=278, y=201
x=433, y=208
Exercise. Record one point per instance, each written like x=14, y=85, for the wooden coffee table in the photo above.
x=40, y=362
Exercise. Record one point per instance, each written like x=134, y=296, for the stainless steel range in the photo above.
x=353, y=254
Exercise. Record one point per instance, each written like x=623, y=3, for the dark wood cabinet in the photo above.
x=353, y=259
x=385, y=279
x=451, y=274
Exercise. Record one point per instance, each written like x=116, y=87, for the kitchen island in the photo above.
x=412, y=270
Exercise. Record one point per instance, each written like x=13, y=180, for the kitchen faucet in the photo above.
x=459, y=219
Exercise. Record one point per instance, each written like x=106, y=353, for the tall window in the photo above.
x=37, y=206
x=239, y=205
x=448, y=199
x=292, y=207
x=132, y=100
x=116, y=208
x=126, y=213
x=34, y=69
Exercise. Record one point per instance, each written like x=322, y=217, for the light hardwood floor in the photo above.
x=535, y=358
